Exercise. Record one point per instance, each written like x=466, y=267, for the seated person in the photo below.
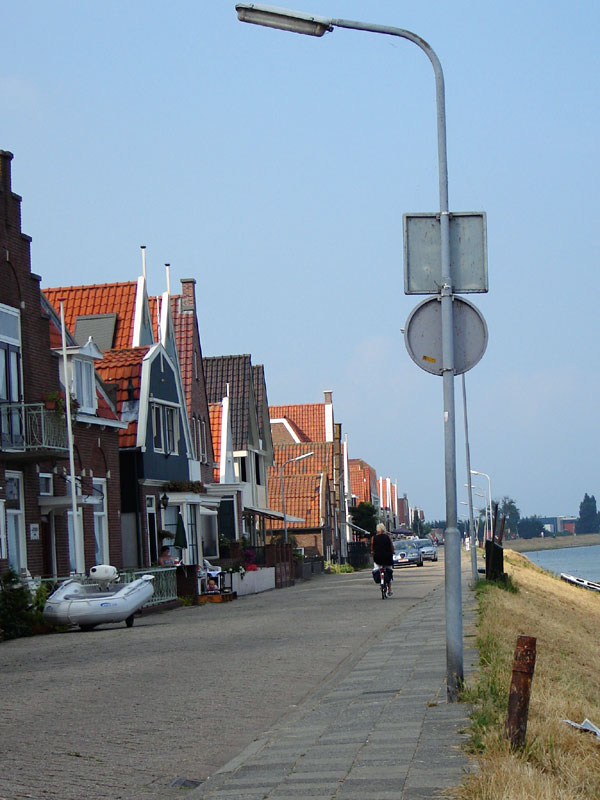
x=212, y=586
x=165, y=558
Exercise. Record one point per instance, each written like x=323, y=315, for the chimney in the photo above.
x=5, y=181
x=328, y=416
x=188, y=292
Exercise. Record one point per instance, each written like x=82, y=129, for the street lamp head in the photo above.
x=304, y=455
x=283, y=19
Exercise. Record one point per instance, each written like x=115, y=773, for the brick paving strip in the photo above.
x=339, y=680
x=384, y=730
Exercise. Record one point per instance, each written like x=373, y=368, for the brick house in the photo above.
x=159, y=470
x=242, y=444
x=38, y=535
x=299, y=429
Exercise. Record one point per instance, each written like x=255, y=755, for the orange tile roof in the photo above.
x=363, y=480
x=215, y=411
x=309, y=418
x=320, y=461
x=185, y=326
x=154, y=304
x=281, y=434
x=124, y=367
x=103, y=298
x=302, y=499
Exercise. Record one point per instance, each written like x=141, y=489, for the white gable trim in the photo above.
x=142, y=323
x=288, y=427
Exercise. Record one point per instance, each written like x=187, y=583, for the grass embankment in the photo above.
x=551, y=542
x=558, y=762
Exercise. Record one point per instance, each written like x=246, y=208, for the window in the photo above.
x=192, y=533
x=165, y=428
x=204, y=444
x=257, y=470
x=157, y=429
x=10, y=376
x=196, y=452
x=15, y=521
x=84, y=384
x=172, y=429
x=45, y=479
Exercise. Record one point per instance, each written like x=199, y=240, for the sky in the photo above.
x=275, y=169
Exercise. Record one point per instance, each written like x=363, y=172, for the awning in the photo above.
x=270, y=513
x=208, y=512
x=64, y=502
x=360, y=530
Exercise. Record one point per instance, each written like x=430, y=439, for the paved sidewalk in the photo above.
x=382, y=730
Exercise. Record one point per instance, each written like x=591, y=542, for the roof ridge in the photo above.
x=88, y=286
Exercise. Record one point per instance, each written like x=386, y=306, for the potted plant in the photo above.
x=54, y=401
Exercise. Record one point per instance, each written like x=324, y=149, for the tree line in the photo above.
x=365, y=516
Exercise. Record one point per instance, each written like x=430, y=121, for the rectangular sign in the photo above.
x=468, y=253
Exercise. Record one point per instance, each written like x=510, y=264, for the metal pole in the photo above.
x=474, y=573
x=79, y=556
x=454, y=646
x=452, y=566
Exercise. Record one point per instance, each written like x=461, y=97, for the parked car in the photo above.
x=407, y=552
x=428, y=549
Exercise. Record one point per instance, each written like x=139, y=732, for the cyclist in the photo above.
x=382, y=549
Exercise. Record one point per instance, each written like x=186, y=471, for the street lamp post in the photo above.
x=299, y=22
x=289, y=461
x=475, y=472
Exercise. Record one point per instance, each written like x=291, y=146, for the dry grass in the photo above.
x=552, y=543
x=558, y=762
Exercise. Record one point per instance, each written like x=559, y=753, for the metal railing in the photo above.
x=165, y=583
x=31, y=427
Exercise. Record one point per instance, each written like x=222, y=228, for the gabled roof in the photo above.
x=302, y=499
x=363, y=480
x=124, y=368
x=262, y=407
x=185, y=325
x=308, y=418
x=237, y=372
x=106, y=298
x=320, y=461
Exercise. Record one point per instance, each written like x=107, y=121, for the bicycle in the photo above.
x=385, y=582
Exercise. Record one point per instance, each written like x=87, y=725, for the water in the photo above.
x=583, y=562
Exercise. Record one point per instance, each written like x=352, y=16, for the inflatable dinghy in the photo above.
x=89, y=605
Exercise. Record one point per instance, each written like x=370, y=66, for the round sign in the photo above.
x=423, y=335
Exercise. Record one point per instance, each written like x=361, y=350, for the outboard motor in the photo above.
x=104, y=574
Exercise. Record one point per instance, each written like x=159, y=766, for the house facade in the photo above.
x=242, y=444
x=160, y=485
x=311, y=427
x=40, y=535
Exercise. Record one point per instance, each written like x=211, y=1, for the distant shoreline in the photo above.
x=552, y=543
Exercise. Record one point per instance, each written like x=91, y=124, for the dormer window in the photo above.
x=84, y=385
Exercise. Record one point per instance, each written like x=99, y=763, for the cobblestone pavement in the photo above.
x=122, y=713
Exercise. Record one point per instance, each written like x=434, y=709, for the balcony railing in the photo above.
x=31, y=426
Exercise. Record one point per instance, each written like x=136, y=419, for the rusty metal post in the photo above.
x=520, y=688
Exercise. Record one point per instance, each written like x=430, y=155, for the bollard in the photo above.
x=520, y=688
